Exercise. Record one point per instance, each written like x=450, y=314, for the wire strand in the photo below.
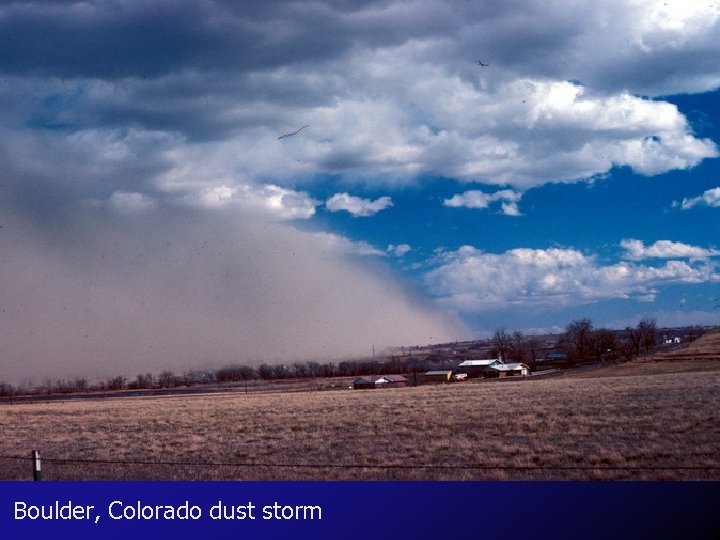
x=372, y=465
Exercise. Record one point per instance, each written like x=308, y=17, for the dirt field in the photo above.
x=636, y=421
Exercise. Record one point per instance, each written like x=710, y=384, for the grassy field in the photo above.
x=635, y=421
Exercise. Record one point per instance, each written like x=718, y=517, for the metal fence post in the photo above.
x=37, y=472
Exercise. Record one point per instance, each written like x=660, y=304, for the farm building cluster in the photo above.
x=487, y=369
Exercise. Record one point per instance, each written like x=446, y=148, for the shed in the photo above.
x=556, y=356
x=437, y=376
x=364, y=383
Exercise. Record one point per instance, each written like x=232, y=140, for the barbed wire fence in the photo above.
x=36, y=461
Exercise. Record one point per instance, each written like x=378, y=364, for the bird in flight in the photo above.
x=481, y=63
x=293, y=132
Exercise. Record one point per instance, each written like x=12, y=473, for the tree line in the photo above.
x=238, y=373
x=580, y=342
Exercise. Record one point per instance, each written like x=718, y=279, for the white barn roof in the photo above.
x=490, y=362
x=510, y=367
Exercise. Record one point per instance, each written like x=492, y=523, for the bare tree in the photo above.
x=143, y=380
x=116, y=383
x=577, y=336
x=501, y=341
x=166, y=379
x=533, y=347
x=602, y=342
x=633, y=336
x=517, y=347
x=647, y=328
x=626, y=347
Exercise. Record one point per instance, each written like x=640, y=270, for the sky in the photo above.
x=195, y=183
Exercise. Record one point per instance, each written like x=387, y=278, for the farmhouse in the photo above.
x=386, y=381
x=391, y=380
x=480, y=368
x=510, y=370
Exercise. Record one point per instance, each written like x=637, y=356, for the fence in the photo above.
x=35, y=460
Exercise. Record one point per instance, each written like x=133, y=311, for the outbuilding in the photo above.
x=555, y=356
x=480, y=368
x=364, y=383
x=437, y=376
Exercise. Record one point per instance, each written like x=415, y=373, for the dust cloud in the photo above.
x=96, y=294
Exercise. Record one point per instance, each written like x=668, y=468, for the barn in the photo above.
x=480, y=368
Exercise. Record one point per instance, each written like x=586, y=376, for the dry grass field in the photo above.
x=634, y=421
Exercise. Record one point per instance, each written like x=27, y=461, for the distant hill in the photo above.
x=706, y=347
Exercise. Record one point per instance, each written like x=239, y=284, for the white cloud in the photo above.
x=275, y=201
x=518, y=132
x=357, y=206
x=665, y=249
x=399, y=250
x=479, y=199
x=387, y=103
x=710, y=197
x=341, y=245
x=472, y=281
x=510, y=209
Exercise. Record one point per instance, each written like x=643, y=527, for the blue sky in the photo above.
x=153, y=215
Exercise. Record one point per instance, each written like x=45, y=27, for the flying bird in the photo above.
x=481, y=63
x=293, y=133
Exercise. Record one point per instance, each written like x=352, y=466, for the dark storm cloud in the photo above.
x=183, y=65
x=118, y=39
x=105, y=40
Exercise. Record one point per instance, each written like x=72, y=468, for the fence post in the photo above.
x=37, y=472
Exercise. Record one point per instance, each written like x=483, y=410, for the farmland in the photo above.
x=632, y=421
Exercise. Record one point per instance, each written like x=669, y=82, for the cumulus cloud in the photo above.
x=479, y=199
x=510, y=209
x=387, y=103
x=339, y=244
x=399, y=250
x=473, y=281
x=272, y=200
x=357, y=206
x=710, y=197
x=665, y=249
